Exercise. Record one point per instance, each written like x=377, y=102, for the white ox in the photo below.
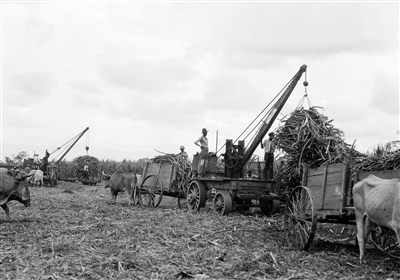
x=376, y=201
x=37, y=178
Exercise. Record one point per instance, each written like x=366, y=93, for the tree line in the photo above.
x=95, y=167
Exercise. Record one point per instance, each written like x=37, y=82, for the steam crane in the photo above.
x=50, y=170
x=233, y=191
x=237, y=160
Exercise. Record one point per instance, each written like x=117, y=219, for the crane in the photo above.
x=238, y=156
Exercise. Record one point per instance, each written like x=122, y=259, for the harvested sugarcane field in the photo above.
x=75, y=231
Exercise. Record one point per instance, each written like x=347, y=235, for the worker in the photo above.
x=183, y=153
x=269, y=148
x=202, y=142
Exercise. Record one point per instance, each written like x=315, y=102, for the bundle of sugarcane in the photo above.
x=183, y=170
x=92, y=164
x=310, y=137
x=374, y=162
x=307, y=136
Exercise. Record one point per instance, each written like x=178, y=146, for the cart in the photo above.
x=325, y=196
x=160, y=179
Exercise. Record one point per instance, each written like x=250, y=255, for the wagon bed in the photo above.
x=325, y=196
x=161, y=179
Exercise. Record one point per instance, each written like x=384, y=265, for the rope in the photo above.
x=258, y=126
x=305, y=97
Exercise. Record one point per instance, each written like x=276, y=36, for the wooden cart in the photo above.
x=158, y=180
x=325, y=196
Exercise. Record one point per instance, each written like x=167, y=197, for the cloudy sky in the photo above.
x=146, y=76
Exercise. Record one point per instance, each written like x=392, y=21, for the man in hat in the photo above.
x=183, y=153
x=202, y=142
x=269, y=148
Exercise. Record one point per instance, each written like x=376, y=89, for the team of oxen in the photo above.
x=376, y=200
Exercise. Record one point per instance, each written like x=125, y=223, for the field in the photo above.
x=74, y=232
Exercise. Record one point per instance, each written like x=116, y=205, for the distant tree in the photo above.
x=17, y=159
x=8, y=160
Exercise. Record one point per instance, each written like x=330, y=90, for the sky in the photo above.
x=148, y=76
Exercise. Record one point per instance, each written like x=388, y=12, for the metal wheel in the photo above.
x=231, y=158
x=300, y=221
x=196, y=196
x=151, y=191
x=385, y=240
x=270, y=207
x=222, y=202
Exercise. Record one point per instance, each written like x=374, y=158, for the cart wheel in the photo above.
x=182, y=200
x=197, y=195
x=385, y=240
x=53, y=179
x=270, y=207
x=135, y=196
x=300, y=221
x=151, y=191
x=222, y=202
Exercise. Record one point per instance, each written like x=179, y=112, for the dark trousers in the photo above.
x=269, y=165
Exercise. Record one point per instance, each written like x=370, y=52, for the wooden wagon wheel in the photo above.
x=53, y=178
x=182, y=200
x=300, y=221
x=151, y=191
x=196, y=196
x=135, y=195
x=270, y=207
x=385, y=240
x=222, y=202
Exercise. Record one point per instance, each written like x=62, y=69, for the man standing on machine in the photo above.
x=202, y=142
x=269, y=148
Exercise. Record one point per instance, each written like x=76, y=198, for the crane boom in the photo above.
x=244, y=155
x=73, y=144
x=271, y=117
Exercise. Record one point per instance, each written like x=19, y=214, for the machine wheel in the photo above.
x=151, y=191
x=300, y=221
x=231, y=158
x=385, y=239
x=196, y=196
x=270, y=207
x=222, y=202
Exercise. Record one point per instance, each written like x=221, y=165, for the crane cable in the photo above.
x=258, y=116
x=65, y=148
x=87, y=144
x=305, y=96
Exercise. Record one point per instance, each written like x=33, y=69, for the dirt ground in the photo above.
x=75, y=232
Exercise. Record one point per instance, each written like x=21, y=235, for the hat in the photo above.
x=181, y=147
x=204, y=130
x=271, y=134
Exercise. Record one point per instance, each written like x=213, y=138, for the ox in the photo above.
x=13, y=188
x=119, y=182
x=37, y=177
x=376, y=201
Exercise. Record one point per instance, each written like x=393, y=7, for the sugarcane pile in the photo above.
x=86, y=167
x=307, y=136
x=382, y=159
x=183, y=170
